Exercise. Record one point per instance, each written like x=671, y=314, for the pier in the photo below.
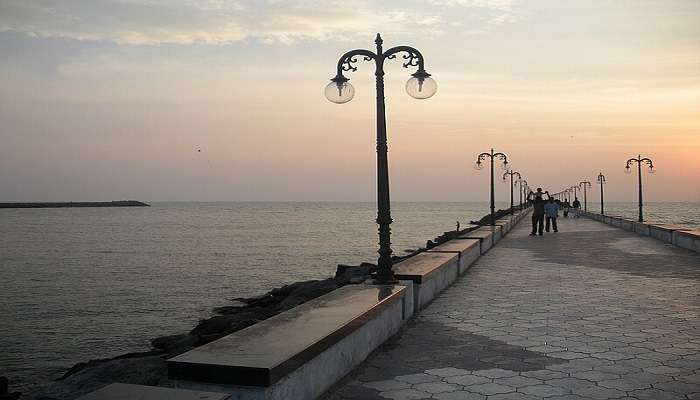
x=593, y=311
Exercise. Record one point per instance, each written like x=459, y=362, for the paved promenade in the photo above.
x=591, y=312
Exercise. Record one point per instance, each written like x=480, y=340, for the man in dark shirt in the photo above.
x=538, y=202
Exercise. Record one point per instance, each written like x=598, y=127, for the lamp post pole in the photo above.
x=478, y=165
x=601, y=181
x=420, y=86
x=639, y=160
x=511, y=173
x=585, y=184
x=521, y=182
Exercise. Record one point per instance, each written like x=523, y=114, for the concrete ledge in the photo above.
x=468, y=251
x=429, y=273
x=124, y=391
x=641, y=228
x=299, y=353
x=664, y=232
x=687, y=239
x=681, y=237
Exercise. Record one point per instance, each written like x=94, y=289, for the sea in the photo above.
x=86, y=283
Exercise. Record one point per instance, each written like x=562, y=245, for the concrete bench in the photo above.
x=641, y=228
x=429, y=273
x=506, y=223
x=468, y=251
x=688, y=239
x=487, y=235
x=627, y=224
x=299, y=353
x=664, y=232
x=124, y=391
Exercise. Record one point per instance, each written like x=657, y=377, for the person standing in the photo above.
x=577, y=208
x=537, y=211
x=551, y=211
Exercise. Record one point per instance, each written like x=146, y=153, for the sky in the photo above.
x=216, y=100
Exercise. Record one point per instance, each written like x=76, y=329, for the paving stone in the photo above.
x=598, y=392
x=623, y=384
x=595, y=376
x=655, y=394
x=461, y=395
x=679, y=387
x=569, y=383
x=436, y=387
x=445, y=372
x=495, y=373
x=417, y=378
x=544, y=374
x=513, y=396
x=543, y=390
x=662, y=369
x=518, y=381
x=466, y=380
x=489, y=389
x=387, y=385
x=405, y=394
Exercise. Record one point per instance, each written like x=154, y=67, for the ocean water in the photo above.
x=84, y=283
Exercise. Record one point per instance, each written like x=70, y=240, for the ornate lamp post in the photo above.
x=479, y=165
x=601, y=181
x=419, y=86
x=523, y=184
x=639, y=160
x=585, y=184
x=511, y=173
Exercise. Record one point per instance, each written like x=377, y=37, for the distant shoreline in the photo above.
x=119, y=203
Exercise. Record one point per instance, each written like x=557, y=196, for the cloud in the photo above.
x=495, y=12
x=213, y=22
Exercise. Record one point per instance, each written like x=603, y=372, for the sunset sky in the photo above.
x=107, y=99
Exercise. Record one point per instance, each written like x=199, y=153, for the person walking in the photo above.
x=577, y=208
x=565, y=207
x=537, y=211
x=551, y=211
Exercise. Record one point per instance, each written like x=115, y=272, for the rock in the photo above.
x=224, y=323
x=305, y=292
x=5, y=390
x=141, y=371
x=173, y=343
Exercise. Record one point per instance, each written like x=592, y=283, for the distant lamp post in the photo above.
x=601, y=182
x=481, y=157
x=511, y=173
x=522, y=184
x=419, y=86
x=639, y=160
x=585, y=184
x=573, y=190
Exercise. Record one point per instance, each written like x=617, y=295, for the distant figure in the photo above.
x=577, y=208
x=537, y=210
x=551, y=211
x=565, y=207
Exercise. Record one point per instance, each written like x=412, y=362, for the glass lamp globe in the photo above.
x=478, y=165
x=628, y=170
x=421, y=87
x=339, y=92
x=504, y=166
x=652, y=170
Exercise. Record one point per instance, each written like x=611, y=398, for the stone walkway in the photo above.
x=591, y=312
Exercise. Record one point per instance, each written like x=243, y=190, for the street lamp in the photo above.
x=522, y=183
x=419, y=86
x=639, y=160
x=585, y=184
x=511, y=173
x=601, y=181
x=479, y=166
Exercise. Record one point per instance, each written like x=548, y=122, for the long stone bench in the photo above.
x=124, y=391
x=468, y=251
x=487, y=235
x=429, y=273
x=299, y=353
